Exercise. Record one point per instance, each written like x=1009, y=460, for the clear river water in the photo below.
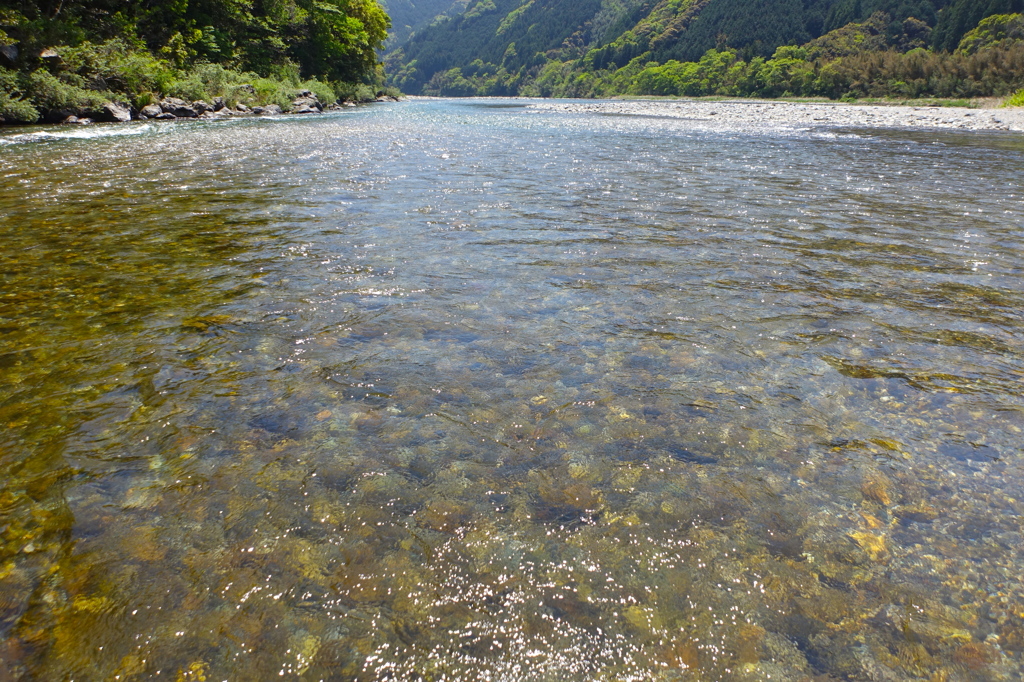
x=464, y=390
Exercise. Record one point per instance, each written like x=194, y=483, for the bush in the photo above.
x=1015, y=100
x=116, y=65
x=13, y=109
x=207, y=81
x=355, y=92
x=323, y=91
x=50, y=93
x=270, y=91
x=190, y=88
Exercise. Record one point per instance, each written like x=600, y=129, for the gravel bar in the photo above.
x=730, y=113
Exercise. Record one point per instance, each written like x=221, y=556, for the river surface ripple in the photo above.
x=458, y=390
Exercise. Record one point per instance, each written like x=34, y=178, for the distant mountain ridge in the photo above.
x=502, y=46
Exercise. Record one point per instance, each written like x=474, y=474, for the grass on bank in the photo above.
x=1015, y=100
x=81, y=79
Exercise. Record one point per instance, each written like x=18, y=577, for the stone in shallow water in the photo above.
x=876, y=487
x=273, y=422
x=683, y=455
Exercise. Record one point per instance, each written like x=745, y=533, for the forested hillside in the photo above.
x=408, y=16
x=833, y=48
x=67, y=54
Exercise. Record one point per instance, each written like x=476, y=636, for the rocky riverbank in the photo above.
x=172, y=108
x=776, y=114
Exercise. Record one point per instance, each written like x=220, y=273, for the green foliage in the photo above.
x=537, y=31
x=340, y=38
x=1015, y=100
x=963, y=15
x=692, y=79
x=13, y=108
x=451, y=83
x=206, y=81
x=272, y=91
x=759, y=48
x=876, y=34
x=480, y=7
x=991, y=31
x=408, y=16
x=355, y=92
x=786, y=74
x=328, y=39
x=258, y=51
x=116, y=66
x=323, y=91
x=50, y=93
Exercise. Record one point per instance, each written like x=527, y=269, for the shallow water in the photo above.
x=454, y=390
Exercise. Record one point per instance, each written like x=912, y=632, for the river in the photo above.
x=466, y=389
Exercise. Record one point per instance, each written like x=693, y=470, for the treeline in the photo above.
x=859, y=60
x=830, y=48
x=66, y=55
x=870, y=59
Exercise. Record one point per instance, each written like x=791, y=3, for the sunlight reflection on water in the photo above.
x=445, y=390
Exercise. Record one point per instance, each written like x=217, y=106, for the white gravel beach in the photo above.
x=732, y=113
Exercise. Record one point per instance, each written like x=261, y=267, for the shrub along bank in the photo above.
x=74, y=58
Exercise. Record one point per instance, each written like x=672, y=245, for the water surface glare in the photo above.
x=460, y=390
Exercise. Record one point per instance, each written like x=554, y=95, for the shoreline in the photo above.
x=786, y=114
x=175, y=109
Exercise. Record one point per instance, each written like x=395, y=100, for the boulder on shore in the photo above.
x=269, y=110
x=113, y=112
x=307, y=103
x=150, y=111
x=179, y=107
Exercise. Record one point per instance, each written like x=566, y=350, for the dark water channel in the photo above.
x=456, y=391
